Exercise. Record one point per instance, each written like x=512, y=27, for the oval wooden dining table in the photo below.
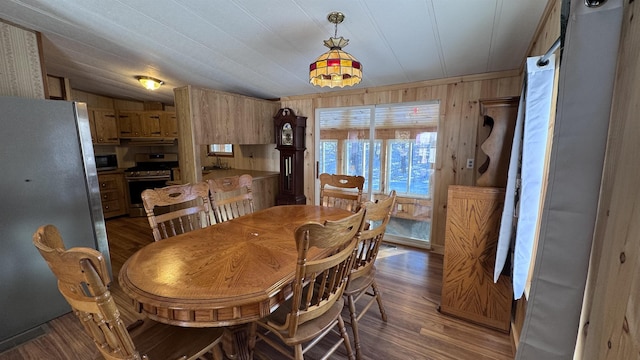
x=226, y=274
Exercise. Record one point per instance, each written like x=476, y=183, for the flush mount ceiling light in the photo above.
x=335, y=68
x=150, y=83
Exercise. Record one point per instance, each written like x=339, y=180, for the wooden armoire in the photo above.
x=471, y=236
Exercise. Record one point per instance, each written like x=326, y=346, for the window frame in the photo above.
x=224, y=150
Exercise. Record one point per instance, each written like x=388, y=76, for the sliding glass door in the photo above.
x=394, y=148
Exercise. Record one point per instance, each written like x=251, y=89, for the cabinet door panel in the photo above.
x=106, y=127
x=137, y=129
x=92, y=127
x=112, y=194
x=169, y=125
x=124, y=124
x=151, y=124
x=130, y=124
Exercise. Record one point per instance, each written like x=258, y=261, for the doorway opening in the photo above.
x=394, y=147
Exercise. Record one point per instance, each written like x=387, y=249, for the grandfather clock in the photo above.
x=289, y=132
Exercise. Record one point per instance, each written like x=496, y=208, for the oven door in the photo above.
x=136, y=187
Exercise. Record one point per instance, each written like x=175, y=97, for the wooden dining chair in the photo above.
x=314, y=309
x=177, y=209
x=342, y=191
x=231, y=197
x=362, y=280
x=83, y=279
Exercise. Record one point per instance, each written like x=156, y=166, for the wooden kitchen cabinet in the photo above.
x=104, y=126
x=471, y=237
x=130, y=124
x=169, y=124
x=112, y=194
x=150, y=123
x=218, y=117
x=147, y=124
x=92, y=126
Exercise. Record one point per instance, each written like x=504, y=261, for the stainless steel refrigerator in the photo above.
x=48, y=177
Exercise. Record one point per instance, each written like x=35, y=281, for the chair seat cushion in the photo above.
x=309, y=329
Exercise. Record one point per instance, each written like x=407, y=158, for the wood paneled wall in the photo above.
x=459, y=114
x=610, y=327
x=548, y=30
x=105, y=102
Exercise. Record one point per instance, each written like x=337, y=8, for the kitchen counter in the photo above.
x=265, y=183
x=221, y=173
x=116, y=171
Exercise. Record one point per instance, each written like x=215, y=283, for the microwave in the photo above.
x=106, y=162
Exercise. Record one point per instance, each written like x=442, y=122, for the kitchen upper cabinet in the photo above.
x=147, y=124
x=92, y=126
x=169, y=124
x=130, y=124
x=150, y=123
x=217, y=117
x=104, y=126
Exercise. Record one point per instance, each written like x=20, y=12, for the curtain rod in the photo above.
x=544, y=60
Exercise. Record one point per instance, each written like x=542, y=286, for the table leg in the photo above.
x=235, y=342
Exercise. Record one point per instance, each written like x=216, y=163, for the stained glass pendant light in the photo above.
x=335, y=68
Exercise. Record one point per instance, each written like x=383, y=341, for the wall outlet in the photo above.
x=469, y=163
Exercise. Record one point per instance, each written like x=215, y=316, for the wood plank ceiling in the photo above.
x=264, y=48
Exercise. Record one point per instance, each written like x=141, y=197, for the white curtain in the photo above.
x=526, y=172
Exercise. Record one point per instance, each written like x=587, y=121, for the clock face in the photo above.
x=287, y=134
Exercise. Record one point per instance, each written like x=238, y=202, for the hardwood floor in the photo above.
x=410, y=280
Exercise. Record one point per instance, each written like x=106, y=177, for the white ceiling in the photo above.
x=263, y=48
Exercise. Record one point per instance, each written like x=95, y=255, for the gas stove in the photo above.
x=152, y=166
x=151, y=171
x=142, y=172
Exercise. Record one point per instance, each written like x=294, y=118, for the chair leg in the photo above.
x=345, y=337
x=354, y=325
x=297, y=349
x=378, y=296
x=217, y=352
x=253, y=327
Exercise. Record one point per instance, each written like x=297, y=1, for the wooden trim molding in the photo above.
x=404, y=86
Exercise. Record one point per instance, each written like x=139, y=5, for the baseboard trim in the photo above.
x=420, y=244
x=23, y=337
